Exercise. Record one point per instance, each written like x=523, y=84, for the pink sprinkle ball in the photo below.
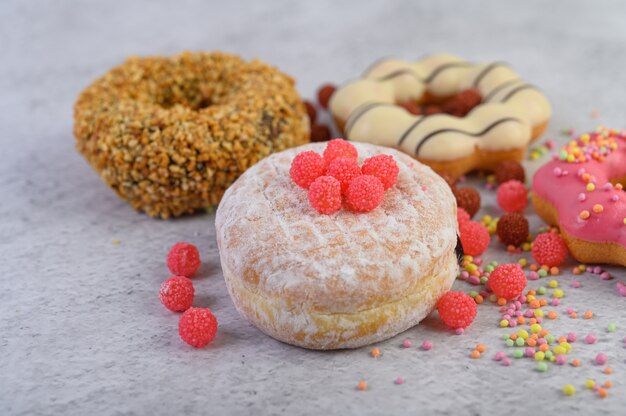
x=499, y=356
x=571, y=337
x=407, y=343
x=399, y=380
x=427, y=345
x=533, y=275
x=529, y=352
x=575, y=284
x=459, y=331
x=591, y=339
x=561, y=359
x=506, y=362
x=601, y=359
x=555, y=302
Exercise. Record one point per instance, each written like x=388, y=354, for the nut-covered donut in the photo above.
x=341, y=280
x=494, y=117
x=170, y=134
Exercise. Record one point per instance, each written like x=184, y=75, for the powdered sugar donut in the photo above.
x=581, y=192
x=342, y=280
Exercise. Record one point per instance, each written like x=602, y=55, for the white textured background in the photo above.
x=81, y=327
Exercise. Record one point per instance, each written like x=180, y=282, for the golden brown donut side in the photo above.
x=169, y=135
x=347, y=329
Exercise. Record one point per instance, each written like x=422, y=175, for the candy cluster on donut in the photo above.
x=336, y=174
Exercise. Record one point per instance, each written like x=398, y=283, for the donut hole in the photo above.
x=196, y=84
x=458, y=105
x=195, y=95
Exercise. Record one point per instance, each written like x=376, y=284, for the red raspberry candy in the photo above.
x=183, y=259
x=383, y=167
x=197, y=327
x=467, y=198
x=549, y=249
x=457, y=309
x=324, y=94
x=325, y=195
x=306, y=167
x=462, y=217
x=176, y=293
x=512, y=228
x=365, y=193
x=344, y=170
x=512, y=196
x=474, y=238
x=507, y=281
x=339, y=148
x=320, y=133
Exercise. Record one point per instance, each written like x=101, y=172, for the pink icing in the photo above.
x=569, y=195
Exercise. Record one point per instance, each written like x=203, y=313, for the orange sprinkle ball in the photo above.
x=588, y=314
x=534, y=304
x=544, y=347
x=602, y=393
x=521, y=320
x=375, y=352
x=532, y=321
x=533, y=268
x=362, y=385
x=501, y=301
x=475, y=354
x=575, y=362
x=543, y=333
x=479, y=299
x=531, y=293
x=513, y=336
x=608, y=370
x=562, y=339
x=554, y=270
x=531, y=342
x=481, y=348
x=552, y=315
x=574, y=315
x=608, y=384
x=543, y=302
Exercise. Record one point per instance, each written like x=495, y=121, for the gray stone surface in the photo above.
x=81, y=327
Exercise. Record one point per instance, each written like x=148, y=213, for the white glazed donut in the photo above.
x=512, y=113
x=343, y=280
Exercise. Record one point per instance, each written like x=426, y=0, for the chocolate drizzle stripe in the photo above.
x=499, y=88
x=443, y=67
x=516, y=90
x=359, y=112
x=375, y=64
x=486, y=72
x=484, y=131
x=413, y=127
x=430, y=76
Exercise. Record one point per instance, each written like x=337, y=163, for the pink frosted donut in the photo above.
x=581, y=192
